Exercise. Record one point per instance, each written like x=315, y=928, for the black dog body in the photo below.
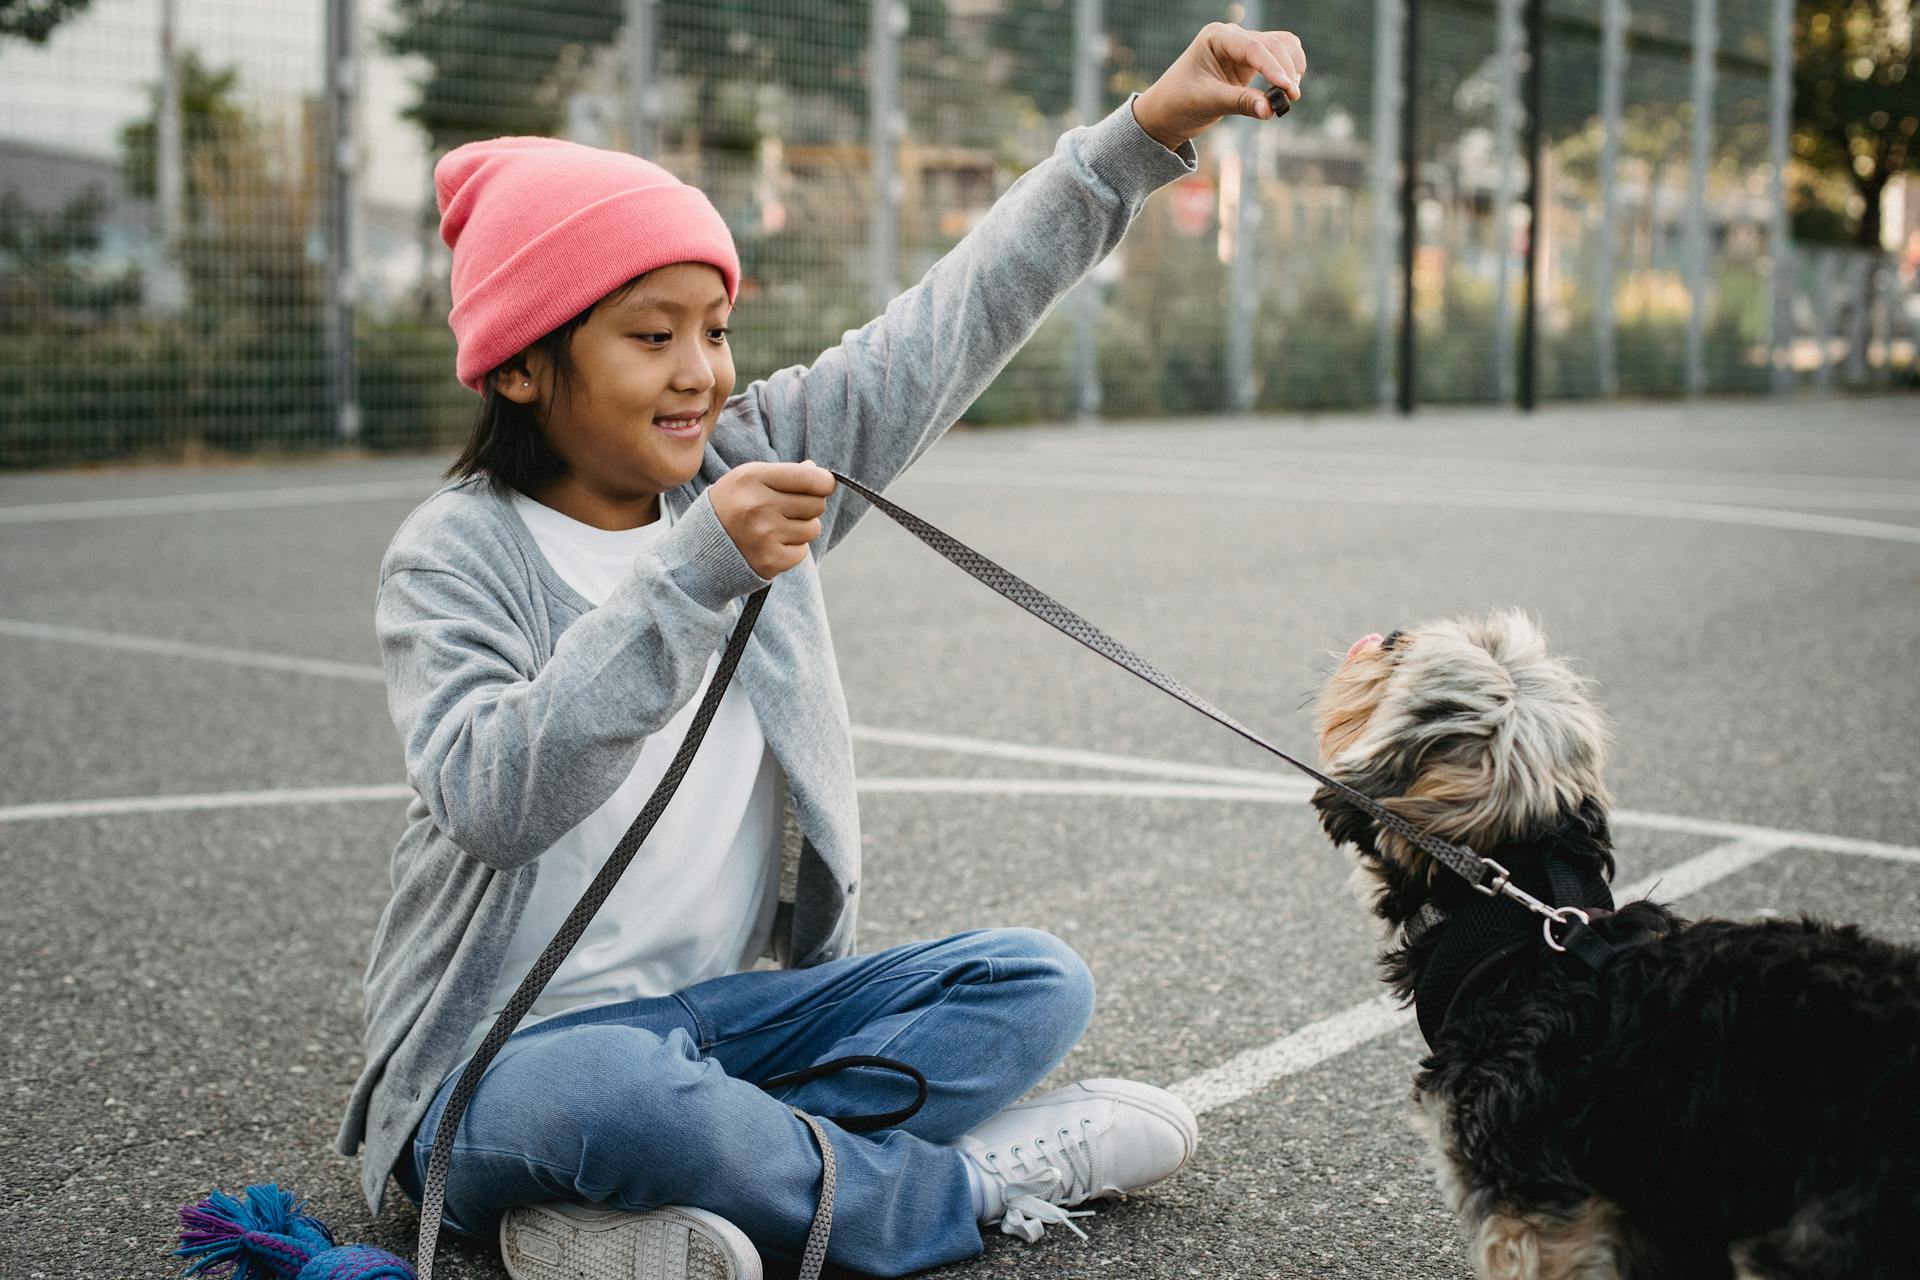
x=1727, y=1099
x=1710, y=1100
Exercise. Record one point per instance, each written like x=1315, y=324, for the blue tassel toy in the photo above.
x=267, y=1235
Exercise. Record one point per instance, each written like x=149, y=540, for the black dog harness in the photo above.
x=1481, y=936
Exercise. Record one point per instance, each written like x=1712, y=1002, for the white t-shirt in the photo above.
x=698, y=899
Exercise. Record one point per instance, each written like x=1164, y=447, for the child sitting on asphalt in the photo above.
x=548, y=623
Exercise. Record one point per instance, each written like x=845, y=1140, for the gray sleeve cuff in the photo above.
x=1129, y=160
x=702, y=560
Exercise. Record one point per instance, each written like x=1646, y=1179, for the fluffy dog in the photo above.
x=1717, y=1100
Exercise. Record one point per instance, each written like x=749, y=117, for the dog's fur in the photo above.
x=1729, y=1100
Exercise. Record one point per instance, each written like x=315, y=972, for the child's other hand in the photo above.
x=772, y=511
x=1209, y=81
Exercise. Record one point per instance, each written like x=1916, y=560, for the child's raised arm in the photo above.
x=872, y=405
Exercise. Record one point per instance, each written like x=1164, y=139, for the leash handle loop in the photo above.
x=867, y=1123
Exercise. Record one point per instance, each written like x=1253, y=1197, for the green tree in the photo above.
x=1142, y=39
x=34, y=20
x=811, y=49
x=1856, y=96
x=253, y=331
x=490, y=62
x=1455, y=74
x=209, y=117
x=494, y=66
x=47, y=285
x=248, y=211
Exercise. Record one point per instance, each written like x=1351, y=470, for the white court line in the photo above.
x=1485, y=478
x=1117, y=789
x=1283, y=787
x=187, y=649
x=1746, y=831
x=1289, y=791
x=368, y=673
x=1239, y=1076
x=1267, y=786
x=1068, y=756
x=1433, y=495
x=1285, y=782
x=879, y=786
x=1683, y=879
x=1252, y=1070
x=1408, y=492
x=1754, y=486
x=237, y=500
x=1260, y=785
x=206, y=800
x=1289, y=794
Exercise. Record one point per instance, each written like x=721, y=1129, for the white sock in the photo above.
x=976, y=1187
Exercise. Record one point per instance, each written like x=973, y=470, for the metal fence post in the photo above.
x=1536, y=134
x=1706, y=40
x=643, y=94
x=885, y=129
x=1862, y=331
x=1507, y=39
x=338, y=158
x=1779, y=114
x=164, y=285
x=1823, y=316
x=1241, y=278
x=1386, y=69
x=1613, y=74
x=1089, y=56
x=1409, y=185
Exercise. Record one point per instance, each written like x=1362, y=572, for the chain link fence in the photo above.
x=218, y=234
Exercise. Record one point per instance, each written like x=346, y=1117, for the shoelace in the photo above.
x=1028, y=1215
x=1036, y=1196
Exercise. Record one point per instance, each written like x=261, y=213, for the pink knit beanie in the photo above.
x=541, y=229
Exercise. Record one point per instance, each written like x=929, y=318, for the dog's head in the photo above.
x=1470, y=730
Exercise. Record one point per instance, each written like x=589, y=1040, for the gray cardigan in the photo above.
x=521, y=707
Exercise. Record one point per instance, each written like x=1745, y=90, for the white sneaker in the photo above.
x=565, y=1241
x=1096, y=1138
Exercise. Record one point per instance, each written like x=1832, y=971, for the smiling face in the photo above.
x=648, y=354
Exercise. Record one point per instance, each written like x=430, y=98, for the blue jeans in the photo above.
x=653, y=1102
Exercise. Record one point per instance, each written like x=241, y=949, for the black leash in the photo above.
x=1472, y=951
x=1483, y=874
x=433, y=1193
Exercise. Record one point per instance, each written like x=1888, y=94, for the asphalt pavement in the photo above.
x=200, y=785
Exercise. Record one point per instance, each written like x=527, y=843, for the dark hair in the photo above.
x=507, y=445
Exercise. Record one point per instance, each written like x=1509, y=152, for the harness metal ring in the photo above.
x=1559, y=916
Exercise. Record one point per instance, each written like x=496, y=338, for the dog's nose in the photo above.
x=1363, y=642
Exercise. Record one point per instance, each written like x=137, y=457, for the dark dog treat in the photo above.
x=1277, y=99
